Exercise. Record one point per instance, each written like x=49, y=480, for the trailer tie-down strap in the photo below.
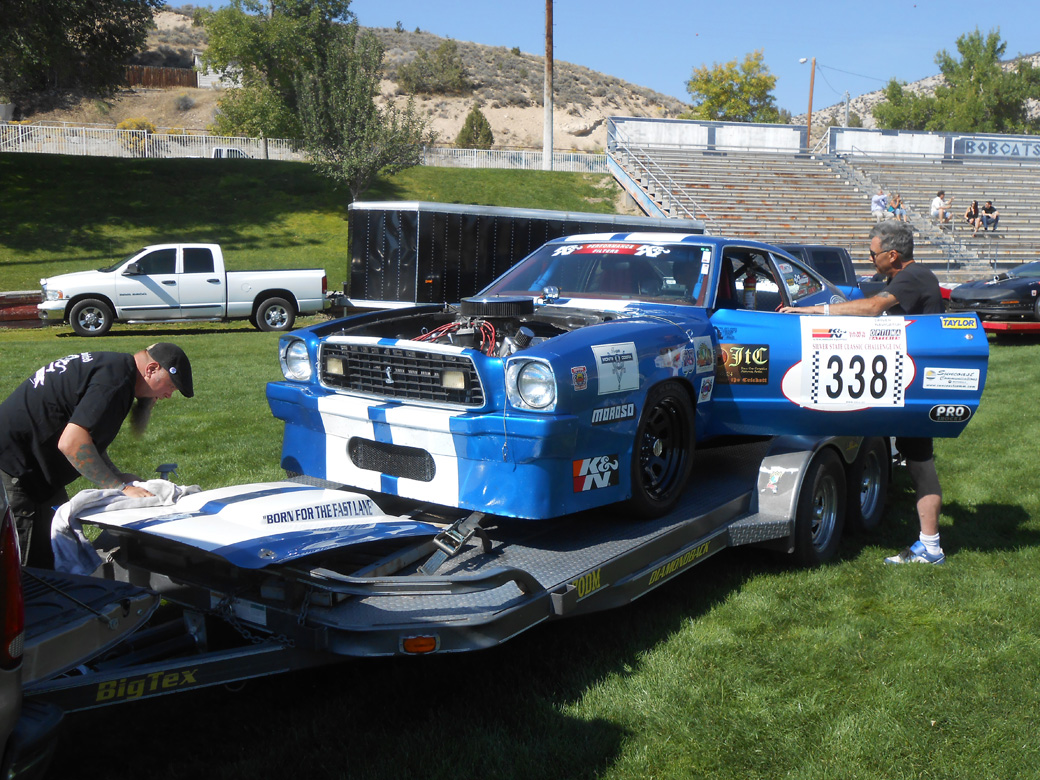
x=454, y=538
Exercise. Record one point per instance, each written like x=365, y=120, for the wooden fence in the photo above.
x=161, y=78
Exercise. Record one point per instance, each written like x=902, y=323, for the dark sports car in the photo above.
x=1013, y=293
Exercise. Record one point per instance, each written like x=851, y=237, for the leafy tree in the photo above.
x=476, y=131
x=70, y=44
x=977, y=94
x=266, y=44
x=733, y=92
x=348, y=137
x=441, y=73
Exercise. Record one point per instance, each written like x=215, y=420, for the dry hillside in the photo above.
x=507, y=84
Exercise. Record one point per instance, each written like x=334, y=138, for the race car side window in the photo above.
x=799, y=281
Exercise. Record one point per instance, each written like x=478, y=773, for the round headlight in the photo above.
x=536, y=385
x=296, y=363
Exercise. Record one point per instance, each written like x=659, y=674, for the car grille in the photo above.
x=401, y=373
x=392, y=459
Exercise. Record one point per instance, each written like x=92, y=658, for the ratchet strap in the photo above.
x=454, y=538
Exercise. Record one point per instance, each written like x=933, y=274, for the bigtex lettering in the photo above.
x=594, y=473
x=136, y=687
x=350, y=508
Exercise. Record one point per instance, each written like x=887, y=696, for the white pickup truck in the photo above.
x=179, y=282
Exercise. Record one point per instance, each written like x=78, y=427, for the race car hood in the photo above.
x=983, y=289
x=256, y=525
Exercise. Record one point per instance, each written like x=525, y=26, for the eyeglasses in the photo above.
x=873, y=254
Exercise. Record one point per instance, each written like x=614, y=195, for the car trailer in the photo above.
x=482, y=580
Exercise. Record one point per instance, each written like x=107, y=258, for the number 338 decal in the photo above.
x=850, y=363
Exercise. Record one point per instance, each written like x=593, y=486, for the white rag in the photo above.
x=72, y=552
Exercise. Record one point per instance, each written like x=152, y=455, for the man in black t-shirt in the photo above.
x=911, y=289
x=57, y=425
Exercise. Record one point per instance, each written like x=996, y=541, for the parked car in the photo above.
x=585, y=374
x=1013, y=293
x=181, y=282
x=50, y=623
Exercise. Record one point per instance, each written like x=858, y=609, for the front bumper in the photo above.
x=51, y=310
x=993, y=308
x=513, y=464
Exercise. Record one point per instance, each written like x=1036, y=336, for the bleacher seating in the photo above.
x=820, y=198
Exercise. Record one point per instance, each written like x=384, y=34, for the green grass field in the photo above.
x=744, y=667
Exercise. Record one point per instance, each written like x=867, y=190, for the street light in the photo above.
x=808, y=121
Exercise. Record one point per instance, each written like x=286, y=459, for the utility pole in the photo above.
x=846, y=108
x=547, y=101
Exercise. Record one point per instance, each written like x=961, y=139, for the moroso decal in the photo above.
x=609, y=414
x=135, y=687
x=743, y=364
x=959, y=323
x=616, y=367
x=594, y=473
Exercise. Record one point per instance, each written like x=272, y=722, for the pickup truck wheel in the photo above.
x=820, y=516
x=868, y=485
x=662, y=454
x=275, y=314
x=91, y=317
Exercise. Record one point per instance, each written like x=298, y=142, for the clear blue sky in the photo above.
x=858, y=46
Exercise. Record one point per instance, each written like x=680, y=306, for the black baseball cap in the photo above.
x=172, y=358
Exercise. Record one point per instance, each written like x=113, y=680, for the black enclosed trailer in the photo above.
x=403, y=253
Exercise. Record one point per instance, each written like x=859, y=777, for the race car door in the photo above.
x=757, y=346
x=147, y=288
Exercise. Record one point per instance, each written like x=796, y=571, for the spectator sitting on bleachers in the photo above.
x=971, y=216
x=878, y=206
x=990, y=216
x=896, y=208
x=941, y=207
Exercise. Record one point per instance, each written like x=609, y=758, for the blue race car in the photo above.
x=585, y=374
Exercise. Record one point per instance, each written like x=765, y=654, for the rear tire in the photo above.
x=820, y=516
x=868, y=478
x=91, y=317
x=662, y=453
x=275, y=314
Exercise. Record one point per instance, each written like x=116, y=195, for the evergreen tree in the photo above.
x=476, y=131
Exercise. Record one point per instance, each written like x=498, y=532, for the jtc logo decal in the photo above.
x=594, y=473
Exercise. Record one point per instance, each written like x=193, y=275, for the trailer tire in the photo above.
x=662, y=453
x=91, y=317
x=868, y=478
x=275, y=314
x=820, y=516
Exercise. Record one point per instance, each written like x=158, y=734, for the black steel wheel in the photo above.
x=662, y=454
x=820, y=517
x=91, y=317
x=868, y=478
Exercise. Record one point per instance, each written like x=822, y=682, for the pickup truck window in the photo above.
x=828, y=262
x=198, y=260
x=161, y=261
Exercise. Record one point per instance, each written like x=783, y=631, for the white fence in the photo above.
x=109, y=142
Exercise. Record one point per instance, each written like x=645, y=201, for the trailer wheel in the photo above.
x=1036, y=309
x=662, y=454
x=821, y=510
x=275, y=314
x=868, y=485
x=91, y=317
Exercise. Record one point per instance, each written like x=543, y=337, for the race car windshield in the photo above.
x=670, y=273
x=1026, y=270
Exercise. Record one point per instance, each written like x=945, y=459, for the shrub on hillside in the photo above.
x=476, y=131
x=441, y=73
